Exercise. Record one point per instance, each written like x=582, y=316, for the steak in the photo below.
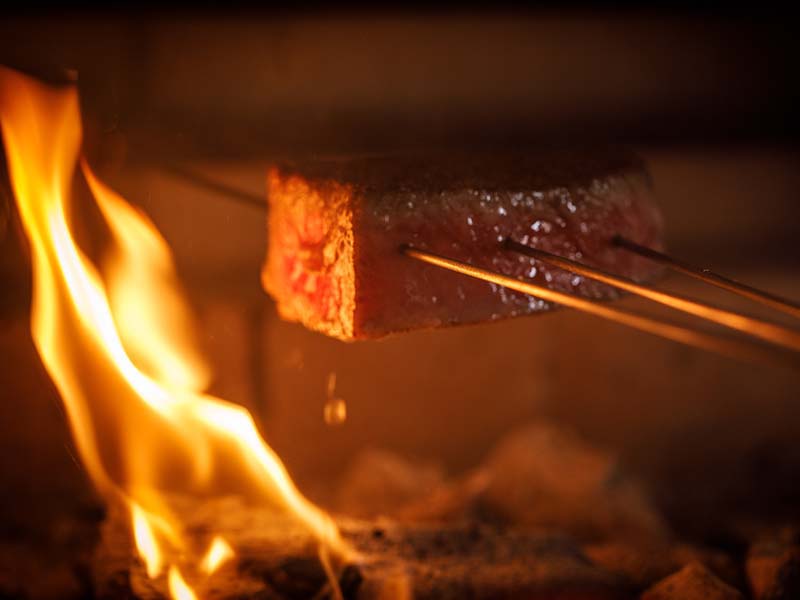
x=335, y=227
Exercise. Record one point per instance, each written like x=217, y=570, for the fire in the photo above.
x=146, y=542
x=118, y=345
x=178, y=588
x=218, y=553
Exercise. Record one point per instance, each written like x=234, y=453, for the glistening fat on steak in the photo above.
x=335, y=227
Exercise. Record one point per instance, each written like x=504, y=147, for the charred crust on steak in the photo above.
x=440, y=172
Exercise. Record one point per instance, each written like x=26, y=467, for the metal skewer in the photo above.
x=710, y=277
x=732, y=347
x=756, y=327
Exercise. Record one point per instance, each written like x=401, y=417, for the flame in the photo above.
x=157, y=336
x=218, y=553
x=119, y=348
x=178, y=588
x=146, y=542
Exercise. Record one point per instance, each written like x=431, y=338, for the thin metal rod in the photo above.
x=708, y=276
x=755, y=327
x=734, y=348
x=202, y=181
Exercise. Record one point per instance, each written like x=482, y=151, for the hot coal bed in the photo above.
x=551, y=456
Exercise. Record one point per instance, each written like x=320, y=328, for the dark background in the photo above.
x=243, y=81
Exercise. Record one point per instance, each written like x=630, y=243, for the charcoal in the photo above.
x=692, y=582
x=545, y=476
x=277, y=559
x=379, y=482
x=27, y=574
x=773, y=566
x=643, y=564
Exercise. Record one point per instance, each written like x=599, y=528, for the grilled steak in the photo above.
x=335, y=226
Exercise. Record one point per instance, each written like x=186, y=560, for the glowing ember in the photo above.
x=119, y=349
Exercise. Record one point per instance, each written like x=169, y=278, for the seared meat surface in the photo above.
x=335, y=226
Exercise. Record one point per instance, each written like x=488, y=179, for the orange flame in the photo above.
x=120, y=352
x=178, y=588
x=218, y=553
x=146, y=544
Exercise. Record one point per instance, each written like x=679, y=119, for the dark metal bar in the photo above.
x=710, y=277
x=199, y=180
x=756, y=327
x=735, y=348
